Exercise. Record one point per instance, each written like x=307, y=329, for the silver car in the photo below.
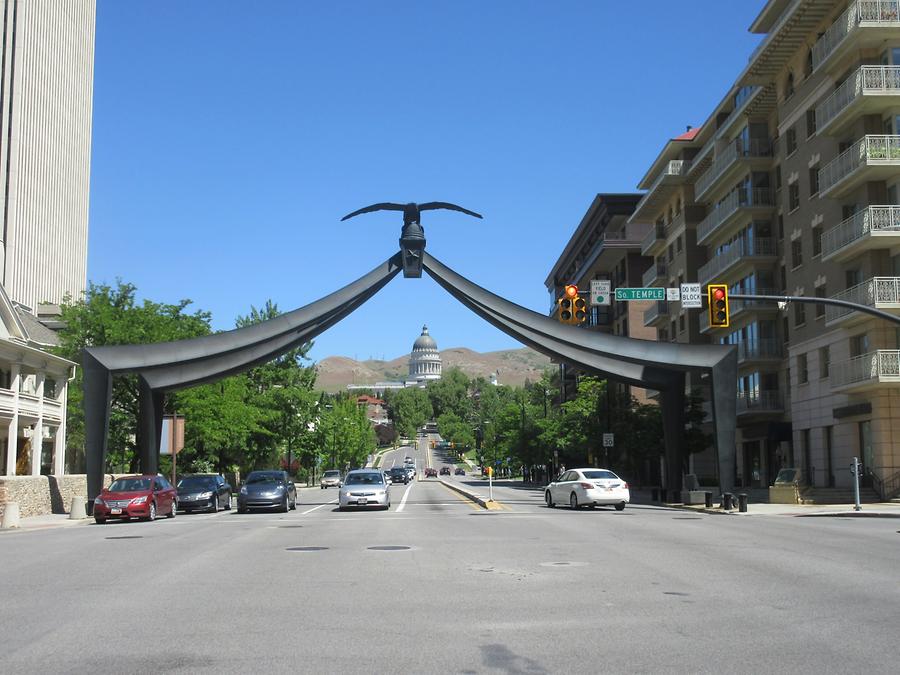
x=364, y=488
x=331, y=478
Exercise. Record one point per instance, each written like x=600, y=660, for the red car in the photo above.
x=136, y=497
x=430, y=472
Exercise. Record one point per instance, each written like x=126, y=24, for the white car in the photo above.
x=588, y=487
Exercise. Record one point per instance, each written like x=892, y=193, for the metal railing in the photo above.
x=654, y=272
x=734, y=151
x=871, y=148
x=674, y=167
x=657, y=309
x=860, y=224
x=872, y=293
x=868, y=80
x=887, y=488
x=655, y=233
x=737, y=199
x=868, y=11
x=758, y=401
x=738, y=306
x=742, y=248
x=883, y=363
x=760, y=348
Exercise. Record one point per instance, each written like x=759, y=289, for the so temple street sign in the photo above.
x=640, y=294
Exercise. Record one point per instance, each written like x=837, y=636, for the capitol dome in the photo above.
x=425, y=360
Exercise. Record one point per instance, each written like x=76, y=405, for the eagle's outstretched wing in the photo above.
x=431, y=206
x=384, y=206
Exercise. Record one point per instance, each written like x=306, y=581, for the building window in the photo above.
x=783, y=279
x=859, y=345
x=791, y=141
x=810, y=122
x=824, y=361
x=817, y=241
x=796, y=253
x=678, y=244
x=793, y=197
x=802, y=373
x=681, y=323
x=820, y=307
x=814, y=180
x=799, y=314
x=49, y=388
x=5, y=379
x=780, y=227
x=789, y=86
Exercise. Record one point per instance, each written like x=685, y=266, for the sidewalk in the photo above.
x=46, y=522
x=878, y=510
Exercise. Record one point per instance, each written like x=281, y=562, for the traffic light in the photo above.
x=580, y=310
x=717, y=298
x=572, y=309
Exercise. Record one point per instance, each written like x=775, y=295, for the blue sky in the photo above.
x=229, y=139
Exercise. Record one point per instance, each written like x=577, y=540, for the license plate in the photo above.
x=115, y=512
x=361, y=501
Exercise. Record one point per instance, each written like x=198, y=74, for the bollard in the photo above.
x=742, y=502
x=727, y=501
x=10, y=516
x=77, y=512
x=654, y=495
x=708, y=496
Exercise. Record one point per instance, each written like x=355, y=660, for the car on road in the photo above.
x=364, y=488
x=408, y=460
x=399, y=475
x=460, y=471
x=203, y=491
x=411, y=471
x=588, y=487
x=331, y=478
x=445, y=470
x=430, y=472
x=143, y=496
x=267, y=490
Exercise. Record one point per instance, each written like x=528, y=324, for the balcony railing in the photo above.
x=735, y=150
x=760, y=348
x=653, y=273
x=868, y=80
x=875, y=292
x=863, y=11
x=874, y=149
x=656, y=233
x=883, y=364
x=740, y=198
x=657, y=310
x=874, y=219
x=742, y=248
x=758, y=401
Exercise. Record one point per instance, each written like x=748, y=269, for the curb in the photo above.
x=478, y=499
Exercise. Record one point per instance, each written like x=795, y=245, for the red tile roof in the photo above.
x=688, y=135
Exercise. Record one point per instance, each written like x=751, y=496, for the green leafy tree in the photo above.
x=450, y=394
x=409, y=409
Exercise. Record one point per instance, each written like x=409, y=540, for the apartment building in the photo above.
x=791, y=187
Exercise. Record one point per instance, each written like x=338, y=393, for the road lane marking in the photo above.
x=403, y=499
x=318, y=507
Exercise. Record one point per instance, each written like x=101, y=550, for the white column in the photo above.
x=37, y=436
x=13, y=442
x=59, y=443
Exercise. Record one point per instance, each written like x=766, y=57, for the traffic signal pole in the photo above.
x=824, y=301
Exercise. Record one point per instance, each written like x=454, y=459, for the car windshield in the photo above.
x=263, y=477
x=196, y=482
x=364, y=479
x=398, y=470
x=130, y=485
x=332, y=474
x=600, y=474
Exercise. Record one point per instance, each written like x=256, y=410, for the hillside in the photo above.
x=514, y=366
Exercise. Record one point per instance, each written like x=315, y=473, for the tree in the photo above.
x=450, y=394
x=409, y=409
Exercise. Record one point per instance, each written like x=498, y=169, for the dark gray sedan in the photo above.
x=267, y=490
x=203, y=492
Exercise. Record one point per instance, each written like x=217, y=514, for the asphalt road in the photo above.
x=438, y=585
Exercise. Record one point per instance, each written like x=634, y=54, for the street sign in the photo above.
x=600, y=292
x=690, y=296
x=607, y=440
x=673, y=294
x=640, y=294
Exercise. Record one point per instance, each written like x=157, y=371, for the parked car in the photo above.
x=331, y=478
x=431, y=472
x=399, y=475
x=203, y=491
x=364, y=488
x=267, y=490
x=445, y=470
x=460, y=471
x=142, y=496
x=588, y=487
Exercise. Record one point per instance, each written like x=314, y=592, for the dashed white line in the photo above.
x=318, y=507
x=403, y=500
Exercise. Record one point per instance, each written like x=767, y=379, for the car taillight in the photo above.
x=625, y=485
x=587, y=486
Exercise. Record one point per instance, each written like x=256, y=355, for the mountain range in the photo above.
x=513, y=365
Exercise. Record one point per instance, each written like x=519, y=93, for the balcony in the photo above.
x=654, y=273
x=871, y=158
x=742, y=253
x=30, y=407
x=760, y=350
x=737, y=157
x=658, y=310
x=878, y=292
x=757, y=201
x=866, y=23
x=738, y=308
x=873, y=227
x=655, y=241
x=874, y=370
x=759, y=403
x=672, y=175
x=869, y=89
